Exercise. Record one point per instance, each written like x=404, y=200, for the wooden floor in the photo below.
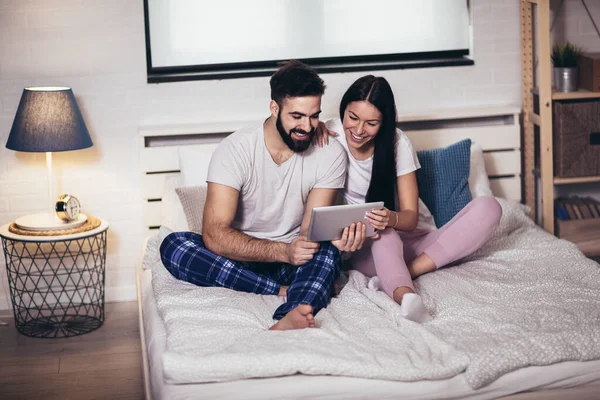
x=104, y=364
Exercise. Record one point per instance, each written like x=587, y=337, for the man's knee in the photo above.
x=175, y=247
x=166, y=250
x=329, y=256
x=167, y=242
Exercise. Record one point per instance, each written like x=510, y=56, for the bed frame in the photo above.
x=496, y=129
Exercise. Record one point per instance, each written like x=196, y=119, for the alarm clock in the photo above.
x=68, y=207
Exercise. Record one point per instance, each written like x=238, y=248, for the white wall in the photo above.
x=98, y=49
x=573, y=24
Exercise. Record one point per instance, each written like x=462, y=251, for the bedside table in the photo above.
x=56, y=282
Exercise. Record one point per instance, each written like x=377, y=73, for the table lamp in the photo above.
x=48, y=120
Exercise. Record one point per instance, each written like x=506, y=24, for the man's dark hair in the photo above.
x=295, y=79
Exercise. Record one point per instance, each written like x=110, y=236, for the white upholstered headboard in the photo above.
x=497, y=130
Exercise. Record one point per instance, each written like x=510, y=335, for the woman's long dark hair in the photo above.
x=377, y=91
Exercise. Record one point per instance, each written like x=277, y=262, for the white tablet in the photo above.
x=328, y=223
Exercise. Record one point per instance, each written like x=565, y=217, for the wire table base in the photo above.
x=55, y=326
x=57, y=287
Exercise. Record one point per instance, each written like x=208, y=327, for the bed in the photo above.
x=499, y=325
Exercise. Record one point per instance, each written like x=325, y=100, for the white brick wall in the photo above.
x=98, y=49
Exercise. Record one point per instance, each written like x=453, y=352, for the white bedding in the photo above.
x=534, y=304
x=561, y=375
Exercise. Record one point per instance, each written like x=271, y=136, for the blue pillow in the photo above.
x=443, y=180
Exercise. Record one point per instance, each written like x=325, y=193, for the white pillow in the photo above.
x=193, y=163
x=192, y=200
x=479, y=183
x=172, y=215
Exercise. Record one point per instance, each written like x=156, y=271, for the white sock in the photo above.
x=374, y=283
x=412, y=308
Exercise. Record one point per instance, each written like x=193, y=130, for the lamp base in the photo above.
x=47, y=222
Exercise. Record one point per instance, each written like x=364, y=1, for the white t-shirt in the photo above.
x=273, y=197
x=359, y=171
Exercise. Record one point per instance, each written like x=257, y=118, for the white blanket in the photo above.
x=524, y=299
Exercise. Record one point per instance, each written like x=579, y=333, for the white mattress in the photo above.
x=561, y=375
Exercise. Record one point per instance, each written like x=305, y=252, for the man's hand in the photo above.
x=300, y=251
x=322, y=134
x=353, y=237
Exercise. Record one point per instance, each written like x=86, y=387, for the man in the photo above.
x=263, y=182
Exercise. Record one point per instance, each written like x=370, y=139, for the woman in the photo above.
x=382, y=165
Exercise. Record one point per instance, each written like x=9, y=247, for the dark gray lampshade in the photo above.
x=48, y=120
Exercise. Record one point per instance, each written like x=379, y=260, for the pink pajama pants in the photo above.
x=388, y=256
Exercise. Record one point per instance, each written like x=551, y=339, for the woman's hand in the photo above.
x=353, y=237
x=322, y=134
x=381, y=219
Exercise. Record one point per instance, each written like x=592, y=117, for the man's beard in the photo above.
x=297, y=146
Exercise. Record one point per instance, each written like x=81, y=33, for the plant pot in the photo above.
x=565, y=79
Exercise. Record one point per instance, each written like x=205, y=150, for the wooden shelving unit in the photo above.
x=543, y=172
x=583, y=179
x=580, y=94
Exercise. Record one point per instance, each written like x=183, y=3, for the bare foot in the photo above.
x=299, y=318
x=400, y=291
x=282, y=291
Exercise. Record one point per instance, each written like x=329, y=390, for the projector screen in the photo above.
x=240, y=37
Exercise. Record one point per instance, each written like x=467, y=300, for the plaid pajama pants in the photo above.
x=186, y=257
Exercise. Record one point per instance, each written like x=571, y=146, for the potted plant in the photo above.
x=565, y=60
